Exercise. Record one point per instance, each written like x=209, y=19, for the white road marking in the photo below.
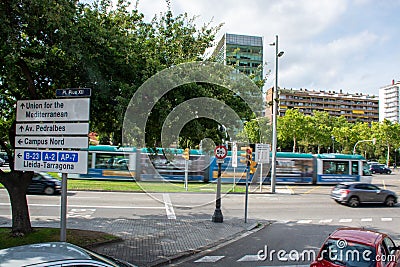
x=325, y=221
x=210, y=259
x=168, y=207
x=345, y=220
x=250, y=258
x=94, y=207
x=304, y=221
x=366, y=219
x=386, y=219
x=80, y=213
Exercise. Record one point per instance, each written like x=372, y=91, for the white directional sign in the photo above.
x=58, y=142
x=51, y=160
x=234, y=156
x=81, y=128
x=262, y=153
x=53, y=110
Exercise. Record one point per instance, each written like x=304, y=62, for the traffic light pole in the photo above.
x=247, y=191
x=217, y=217
x=186, y=156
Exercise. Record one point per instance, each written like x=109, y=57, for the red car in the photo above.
x=358, y=247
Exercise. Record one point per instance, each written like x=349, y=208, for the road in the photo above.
x=298, y=217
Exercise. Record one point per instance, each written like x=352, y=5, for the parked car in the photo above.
x=379, y=168
x=356, y=193
x=4, y=157
x=43, y=183
x=358, y=247
x=56, y=254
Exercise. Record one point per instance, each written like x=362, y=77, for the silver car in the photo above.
x=355, y=193
x=55, y=254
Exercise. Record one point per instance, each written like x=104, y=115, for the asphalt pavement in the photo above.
x=158, y=241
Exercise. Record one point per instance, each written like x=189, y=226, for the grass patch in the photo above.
x=81, y=238
x=131, y=186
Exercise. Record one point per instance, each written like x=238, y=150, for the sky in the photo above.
x=331, y=45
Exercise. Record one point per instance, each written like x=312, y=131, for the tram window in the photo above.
x=354, y=167
x=335, y=167
x=110, y=161
x=89, y=162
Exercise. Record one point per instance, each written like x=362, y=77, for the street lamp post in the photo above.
x=275, y=117
x=373, y=140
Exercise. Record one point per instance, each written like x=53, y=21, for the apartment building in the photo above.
x=389, y=102
x=354, y=107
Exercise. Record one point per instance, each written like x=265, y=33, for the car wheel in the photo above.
x=390, y=201
x=49, y=190
x=373, y=172
x=389, y=172
x=354, y=202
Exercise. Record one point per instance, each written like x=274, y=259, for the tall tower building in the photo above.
x=389, y=102
x=243, y=52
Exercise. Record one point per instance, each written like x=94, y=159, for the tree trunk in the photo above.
x=294, y=144
x=16, y=183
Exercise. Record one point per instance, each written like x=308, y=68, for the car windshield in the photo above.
x=349, y=254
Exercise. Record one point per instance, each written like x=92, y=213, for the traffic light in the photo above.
x=253, y=167
x=247, y=157
x=186, y=154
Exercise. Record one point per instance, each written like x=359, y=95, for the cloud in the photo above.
x=328, y=44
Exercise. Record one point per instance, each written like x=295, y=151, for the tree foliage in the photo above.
x=322, y=133
x=49, y=44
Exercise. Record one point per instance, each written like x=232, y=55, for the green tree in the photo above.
x=291, y=127
x=362, y=131
x=256, y=131
x=49, y=44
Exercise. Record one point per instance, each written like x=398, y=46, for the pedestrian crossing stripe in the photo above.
x=304, y=221
x=346, y=220
x=210, y=259
x=249, y=258
x=366, y=219
x=326, y=221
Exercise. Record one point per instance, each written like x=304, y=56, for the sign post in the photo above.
x=261, y=157
x=220, y=153
x=234, y=164
x=48, y=124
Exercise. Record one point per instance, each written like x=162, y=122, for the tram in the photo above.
x=130, y=163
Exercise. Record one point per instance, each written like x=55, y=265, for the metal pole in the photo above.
x=247, y=193
x=217, y=217
x=388, y=156
x=261, y=180
x=63, y=216
x=234, y=179
x=274, y=120
x=186, y=174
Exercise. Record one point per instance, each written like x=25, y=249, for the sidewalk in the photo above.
x=152, y=242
